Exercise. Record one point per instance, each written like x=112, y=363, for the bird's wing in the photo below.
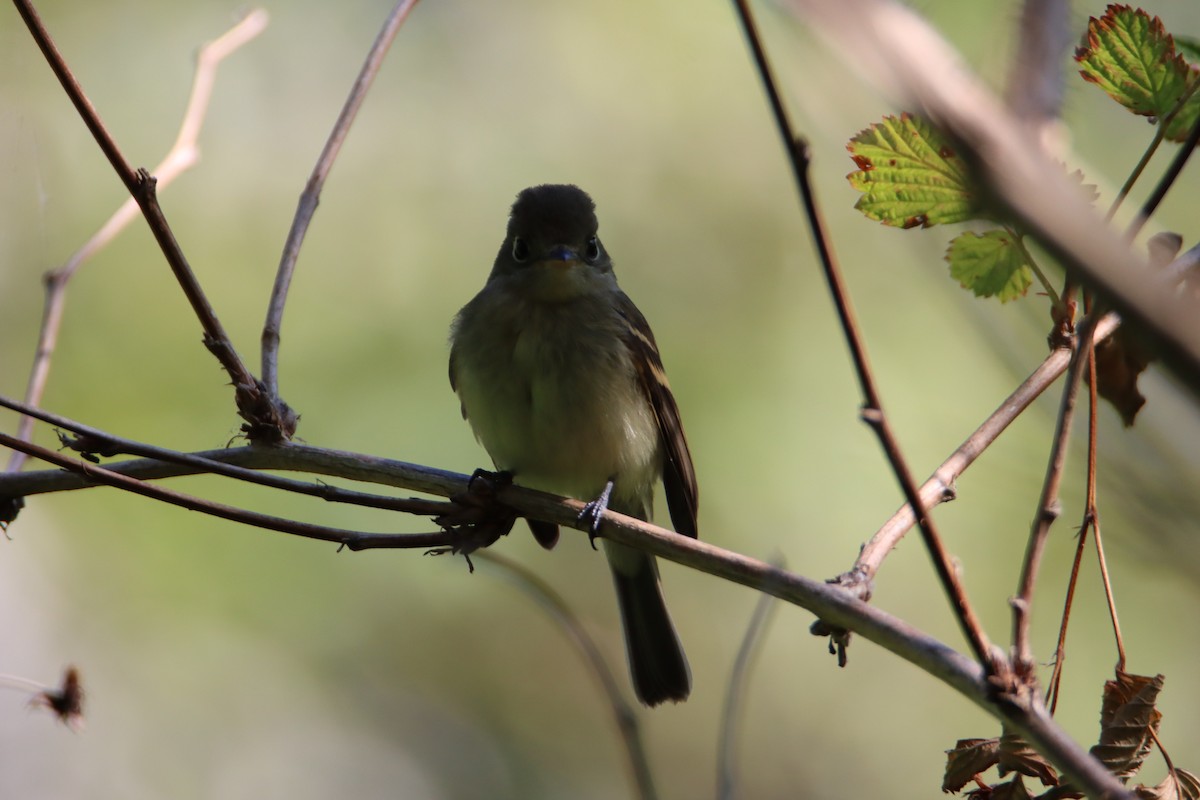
x=679, y=476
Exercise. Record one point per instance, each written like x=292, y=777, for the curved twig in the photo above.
x=182, y=155
x=311, y=195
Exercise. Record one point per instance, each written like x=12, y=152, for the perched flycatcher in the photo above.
x=561, y=380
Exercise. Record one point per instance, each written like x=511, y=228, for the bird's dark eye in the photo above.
x=592, y=252
x=520, y=250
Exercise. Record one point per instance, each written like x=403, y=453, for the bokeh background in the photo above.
x=227, y=662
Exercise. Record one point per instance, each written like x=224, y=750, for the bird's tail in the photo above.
x=656, y=660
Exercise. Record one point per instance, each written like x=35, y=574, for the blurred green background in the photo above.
x=227, y=662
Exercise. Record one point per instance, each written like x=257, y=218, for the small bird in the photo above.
x=560, y=377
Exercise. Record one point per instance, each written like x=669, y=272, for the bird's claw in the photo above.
x=593, y=512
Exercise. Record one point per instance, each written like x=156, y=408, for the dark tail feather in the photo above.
x=656, y=660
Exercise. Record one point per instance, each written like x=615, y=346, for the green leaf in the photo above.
x=1130, y=55
x=990, y=264
x=909, y=175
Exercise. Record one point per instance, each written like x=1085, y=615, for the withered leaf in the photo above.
x=1119, y=363
x=1183, y=785
x=1017, y=756
x=1127, y=717
x=969, y=758
x=1010, y=790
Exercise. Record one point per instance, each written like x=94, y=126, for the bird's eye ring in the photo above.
x=592, y=253
x=520, y=250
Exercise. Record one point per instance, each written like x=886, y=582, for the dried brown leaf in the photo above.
x=1010, y=790
x=1119, y=363
x=1182, y=785
x=969, y=758
x=1017, y=756
x=1127, y=719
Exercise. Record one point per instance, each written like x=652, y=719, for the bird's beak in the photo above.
x=561, y=256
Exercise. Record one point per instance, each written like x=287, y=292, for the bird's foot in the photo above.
x=594, y=511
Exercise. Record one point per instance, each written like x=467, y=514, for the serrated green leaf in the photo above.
x=990, y=264
x=1130, y=55
x=909, y=175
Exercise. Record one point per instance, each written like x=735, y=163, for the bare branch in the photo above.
x=940, y=486
x=267, y=419
x=1048, y=505
x=311, y=195
x=94, y=474
x=91, y=441
x=872, y=411
x=182, y=155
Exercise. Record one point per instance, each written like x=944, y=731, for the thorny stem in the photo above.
x=182, y=155
x=311, y=195
x=872, y=411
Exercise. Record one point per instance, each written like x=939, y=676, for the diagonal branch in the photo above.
x=267, y=419
x=182, y=155
x=872, y=411
x=940, y=486
x=311, y=195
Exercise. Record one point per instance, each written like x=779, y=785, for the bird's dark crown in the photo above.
x=553, y=213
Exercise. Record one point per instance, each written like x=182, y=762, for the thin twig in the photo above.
x=1060, y=650
x=94, y=474
x=940, y=486
x=623, y=713
x=1048, y=503
x=732, y=711
x=872, y=411
x=1172, y=173
x=1089, y=519
x=1108, y=596
x=182, y=155
x=93, y=440
x=267, y=419
x=311, y=195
